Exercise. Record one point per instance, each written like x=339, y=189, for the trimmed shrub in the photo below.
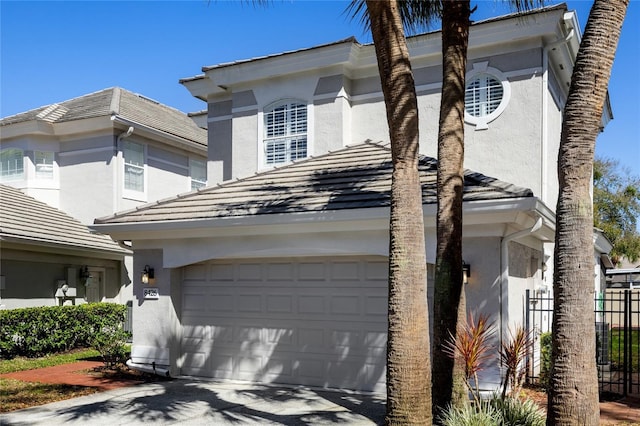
x=545, y=360
x=39, y=331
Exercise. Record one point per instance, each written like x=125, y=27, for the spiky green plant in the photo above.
x=479, y=414
x=471, y=345
x=513, y=352
x=516, y=412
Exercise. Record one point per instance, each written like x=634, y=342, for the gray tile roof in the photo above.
x=358, y=176
x=120, y=102
x=26, y=220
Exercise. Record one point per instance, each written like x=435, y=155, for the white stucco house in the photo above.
x=277, y=271
x=92, y=156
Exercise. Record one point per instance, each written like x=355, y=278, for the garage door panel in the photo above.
x=278, y=369
x=313, y=322
x=375, y=305
x=248, y=272
x=247, y=367
x=280, y=336
x=195, y=272
x=222, y=271
x=311, y=304
x=311, y=339
x=345, y=305
x=280, y=303
x=312, y=271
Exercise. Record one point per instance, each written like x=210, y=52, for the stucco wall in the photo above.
x=351, y=110
x=155, y=321
x=86, y=178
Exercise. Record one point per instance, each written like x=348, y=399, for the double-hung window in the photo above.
x=133, y=154
x=285, y=133
x=44, y=164
x=11, y=164
x=198, y=173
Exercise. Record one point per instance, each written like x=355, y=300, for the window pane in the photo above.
x=11, y=164
x=133, y=166
x=44, y=164
x=276, y=151
x=285, y=133
x=483, y=95
x=134, y=178
x=198, y=173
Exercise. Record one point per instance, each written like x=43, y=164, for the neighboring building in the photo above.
x=45, y=256
x=100, y=153
x=281, y=275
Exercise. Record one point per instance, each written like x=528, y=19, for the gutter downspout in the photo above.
x=116, y=175
x=148, y=368
x=504, y=265
x=545, y=112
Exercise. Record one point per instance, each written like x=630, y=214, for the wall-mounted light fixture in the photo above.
x=466, y=272
x=84, y=274
x=148, y=275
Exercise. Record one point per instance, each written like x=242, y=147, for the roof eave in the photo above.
x=476, y=212
x=11, y=242
x=172, y=139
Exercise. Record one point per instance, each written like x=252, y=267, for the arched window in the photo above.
x=486, y=95
x=285, y=132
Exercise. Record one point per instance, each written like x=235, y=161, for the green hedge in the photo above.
x=44, y=330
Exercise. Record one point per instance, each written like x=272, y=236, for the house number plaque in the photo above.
x=151, y=293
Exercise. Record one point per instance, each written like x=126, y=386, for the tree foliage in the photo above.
x=616, y=207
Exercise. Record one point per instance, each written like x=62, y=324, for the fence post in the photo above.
x=626, y=345
x=530, y=360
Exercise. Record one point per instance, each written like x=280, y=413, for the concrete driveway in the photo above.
x=190, y=402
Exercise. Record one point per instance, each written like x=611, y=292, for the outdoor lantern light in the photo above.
x=466, y=272
x=147, y=275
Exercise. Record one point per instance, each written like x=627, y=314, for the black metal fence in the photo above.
x=617, y=326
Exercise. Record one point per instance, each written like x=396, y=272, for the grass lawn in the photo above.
x=15, y=394
x=617, y=344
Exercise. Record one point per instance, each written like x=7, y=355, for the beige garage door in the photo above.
x=318, y=322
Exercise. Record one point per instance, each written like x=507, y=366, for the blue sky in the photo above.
x=52, y=51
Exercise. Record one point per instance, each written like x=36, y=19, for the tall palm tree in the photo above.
x=449, y=301
x=408, y=364
x=390, y=45
x=573, y=395
x=449, y=307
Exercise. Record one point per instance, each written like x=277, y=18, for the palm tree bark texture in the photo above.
x=573, y=394
x=449, y=302
x=408, y=360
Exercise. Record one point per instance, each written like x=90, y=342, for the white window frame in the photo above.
x=263, y=139
x=195, y=184
x=13, y=174
x=480, y=69
x=49, y=164
x=132, y=193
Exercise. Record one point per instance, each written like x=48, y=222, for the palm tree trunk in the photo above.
x=573, y=395
x=408, y=363
x=449, y=306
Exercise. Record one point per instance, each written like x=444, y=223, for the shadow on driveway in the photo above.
x=192, y=402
